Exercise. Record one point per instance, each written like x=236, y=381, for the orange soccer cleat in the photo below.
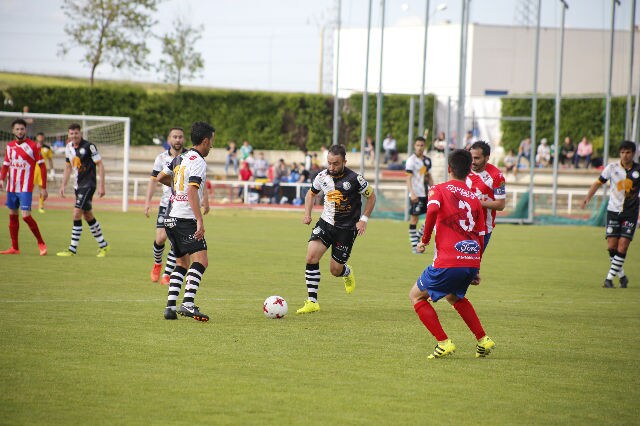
x=43, y=249
x=165, y=279
x=10, y=250
x=155, y=272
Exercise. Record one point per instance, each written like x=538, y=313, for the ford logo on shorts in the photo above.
x=468, y=246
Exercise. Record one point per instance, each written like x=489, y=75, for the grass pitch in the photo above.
x=83, y=339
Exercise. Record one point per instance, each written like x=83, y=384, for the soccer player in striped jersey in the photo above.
x=339, y=224
x=622, y=209
x=176, y=143
x=21, y=158
x=82, y=157
x=418, y=169
x=456, y=216
x=488, y=183
x=187, y=175
x=47, y=157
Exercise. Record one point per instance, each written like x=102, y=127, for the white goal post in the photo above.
x=104, y=131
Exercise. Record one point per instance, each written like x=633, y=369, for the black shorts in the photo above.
x=180, y=233
x=419, y=207
x=84, y=196
x=162, y=211
x=621, y=224
x=340, y=240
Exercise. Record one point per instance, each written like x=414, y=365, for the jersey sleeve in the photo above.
x=198, y=173
x=363, y=186
x=499, y=187
x=606, y=173
x=409, y=166
x=157, y=166
x=95, y=155
x=316, y=186
x=67, y=153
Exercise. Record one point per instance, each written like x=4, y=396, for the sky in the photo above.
x=271, y=45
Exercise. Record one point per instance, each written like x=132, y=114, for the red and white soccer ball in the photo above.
x=275, y=307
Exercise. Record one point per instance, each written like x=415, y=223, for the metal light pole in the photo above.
x=607, y=114
x=379, y=101
x=336, y=101
x=534, y=111
x=365, y=97
x=632, y=37
x=464, y=22
x=556, y=133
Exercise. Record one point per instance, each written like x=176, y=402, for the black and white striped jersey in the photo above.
x=342, y=197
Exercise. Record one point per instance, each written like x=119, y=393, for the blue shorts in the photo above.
x=487, y=237
x=19, y=199
x=439, y=282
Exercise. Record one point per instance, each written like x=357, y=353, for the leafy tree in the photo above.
x=181, y=61
x=109, y=31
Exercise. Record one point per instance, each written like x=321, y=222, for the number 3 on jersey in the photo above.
x=463, y=205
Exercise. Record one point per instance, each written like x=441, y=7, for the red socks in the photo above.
x=14, y=226
x=34, y=228
x=468, y=314
x=429, y=318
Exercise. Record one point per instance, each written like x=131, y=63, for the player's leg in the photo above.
x=94, y=225
x=199, y=263
x=158, y=246
x=420, y=297
x=619, y=258
x=316, y=248
x=13, y=204
x=343, y=241
x=614, y=230
x=76, y=230
x=25, y=207
x=179, y=272
x=413, y=231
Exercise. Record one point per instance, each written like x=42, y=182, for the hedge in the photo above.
x=267, y=120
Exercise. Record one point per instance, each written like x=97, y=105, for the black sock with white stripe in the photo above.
x=612, y=253
x=616, y=265
x=171, y=263
x=175, y=284
x=76, y=232
x=194, y=276
x=96, y=230
x=413, y=236
x=312, y=278
x=157, y=253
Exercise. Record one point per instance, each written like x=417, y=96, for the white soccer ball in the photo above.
x=275, y=307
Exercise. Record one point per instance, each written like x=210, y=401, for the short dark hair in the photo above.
x=74, y=126
x=485, y=147
x=338, y=150
x=201, y=131
x=627, y=145
x=460, y=163
x=18, y=121
x=39, y=133
x=420, y=138
x=175, y=128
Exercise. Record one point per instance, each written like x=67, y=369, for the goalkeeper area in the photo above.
x=110, y=134
x=84, y=338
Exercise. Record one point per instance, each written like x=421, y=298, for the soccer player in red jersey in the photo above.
x=456, y=216
x=487, y=181
x=20, y=160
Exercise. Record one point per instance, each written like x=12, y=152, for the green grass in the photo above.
x=83, y=340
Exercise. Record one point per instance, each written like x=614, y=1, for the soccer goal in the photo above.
x=110, y=134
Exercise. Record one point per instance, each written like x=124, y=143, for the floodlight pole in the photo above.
x=632, y=36
x=365, y=96
x=607, y=114
x=556, y=133
x=379, y=101
x=336, y=101
x=464, y=22
x=424, y=70
x=534, y=112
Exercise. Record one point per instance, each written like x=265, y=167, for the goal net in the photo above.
x=110, y=134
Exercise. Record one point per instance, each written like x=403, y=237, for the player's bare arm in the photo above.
x=205, y=201
x=164, y=179
x=194, y=203
x=65, y=178
x=413, y=196
x=361, y=225
x=101, y=190
x=498, y=205
x=592, y=190
x=308, y=206
x=150, y=190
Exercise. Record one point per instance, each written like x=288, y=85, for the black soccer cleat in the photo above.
x=170, y=314
x=608, y=284
x=193, y=312
x=624, y=281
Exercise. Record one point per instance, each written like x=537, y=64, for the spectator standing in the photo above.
x=440, y=142
x=232, y=158
x=260, y=167
x=280, y=174
x=245, y=175
x=323, y=156
x=567, y=152
x=584, y=152
x=390, y=146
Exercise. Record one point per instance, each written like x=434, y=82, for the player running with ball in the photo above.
x=456, y=215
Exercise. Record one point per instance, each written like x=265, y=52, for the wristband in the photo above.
x=364, y=218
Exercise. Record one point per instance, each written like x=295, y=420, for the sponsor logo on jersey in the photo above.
x=193, y=157
x=336, y=196
x=468, y=246
x=180, y=197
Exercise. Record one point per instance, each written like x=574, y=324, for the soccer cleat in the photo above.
x=484, y=346
x=443, y=349
x=624, y=281
x=608, y=284
x=102, y=252
x=43, y=249
x=350, y=281
x=193, y=312
x=40, y=210
x=165, y=279
x=10, y=250
x=65, y=253
x=309, y=307
x=170, y=314
x=155, y=272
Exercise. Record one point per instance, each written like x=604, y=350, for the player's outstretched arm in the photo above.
x=361, y=226
x=592, y=190
x=65, y=178
x=308, y=206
